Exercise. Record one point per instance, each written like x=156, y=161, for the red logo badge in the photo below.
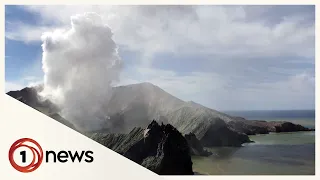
x=36, y=151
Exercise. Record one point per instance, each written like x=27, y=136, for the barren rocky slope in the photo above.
x=137, y=104
x=29, y=96
x=160, y=148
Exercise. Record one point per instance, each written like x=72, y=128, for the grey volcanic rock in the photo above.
x=208, y=126
x=195, y=146
x=290, y=127
x=134, y=105
x=252, y=127
x=62, y=120
x=248, y=127
x=160, y=148
x=141, y=102
x=223, y=136
x=30, y=97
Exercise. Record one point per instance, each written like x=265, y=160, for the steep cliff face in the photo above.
x=196, y=148
x=223, y=136
x=160, y=148
x=207, y=126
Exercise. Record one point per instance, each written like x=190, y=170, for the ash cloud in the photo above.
x=80, y=65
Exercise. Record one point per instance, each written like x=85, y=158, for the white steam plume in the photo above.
x=80, y=64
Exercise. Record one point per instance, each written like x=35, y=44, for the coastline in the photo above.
x=273, y=156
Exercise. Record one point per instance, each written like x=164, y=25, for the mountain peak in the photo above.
x=142, y=84
x=145, y=84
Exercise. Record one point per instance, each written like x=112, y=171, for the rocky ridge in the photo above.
x=135, y=105
x=186, y=127
x=160, y=148
x=30, y=97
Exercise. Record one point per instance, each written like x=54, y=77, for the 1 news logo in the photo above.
x=22, y=149
x=34, y=147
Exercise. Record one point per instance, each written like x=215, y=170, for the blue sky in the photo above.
x=224, y=57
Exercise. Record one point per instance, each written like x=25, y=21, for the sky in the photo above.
x=223, y=57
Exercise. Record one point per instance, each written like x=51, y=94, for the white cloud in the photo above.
x=24, y=32
x=243, y=57
x=34, y=83
x=226, y=31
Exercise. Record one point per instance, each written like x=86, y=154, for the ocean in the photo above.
x=271, y=154
x=303, y=117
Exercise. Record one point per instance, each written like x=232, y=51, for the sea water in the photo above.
x=271, y=154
